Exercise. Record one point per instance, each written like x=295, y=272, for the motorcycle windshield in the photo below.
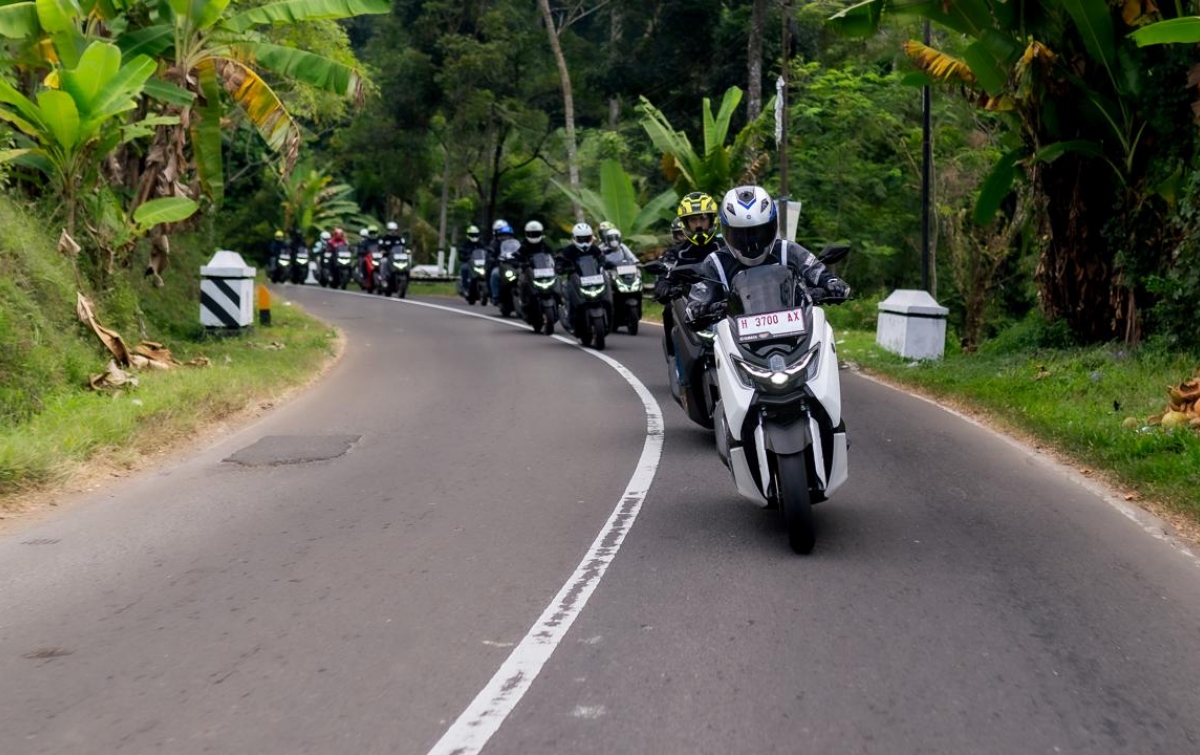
x=620, y=256
x=768, y=303
x=543, y=265
x=479, y=257
x=588, y=266
x=509, y=248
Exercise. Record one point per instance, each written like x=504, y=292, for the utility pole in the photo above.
x=782, y=146
x=783, y=96
x=926, y=174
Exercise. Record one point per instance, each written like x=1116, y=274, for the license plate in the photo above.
x=627, y=269
x=789, y=322
x=402, y=258
x=591, y=280
x=543, y=272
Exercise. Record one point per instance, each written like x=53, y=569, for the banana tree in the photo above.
x=617, y=203
x=1073, y=88
x=713, y=171
x=213, y=51
x=207, y=52
x=311, y=200
x=78, y=119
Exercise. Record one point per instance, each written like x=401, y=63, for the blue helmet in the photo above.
x=505, y=230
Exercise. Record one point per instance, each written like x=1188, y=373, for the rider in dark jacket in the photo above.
x=750, y=227
x=276, y=249
x=469, y=246
x=698, y=227
x=534, y=242
x=583, y=244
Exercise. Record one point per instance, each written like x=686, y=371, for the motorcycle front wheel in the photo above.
x=597, y=325
x=795, y=501
x=634, y=316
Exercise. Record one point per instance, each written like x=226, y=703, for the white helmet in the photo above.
x=498, y=223
x=391, y=226
x=749, y=223
x=582, y=235
x=364, y=232
x=326, y=235
x=533, y=231
x=612, y=238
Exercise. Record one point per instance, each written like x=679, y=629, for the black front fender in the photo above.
x=787, y=439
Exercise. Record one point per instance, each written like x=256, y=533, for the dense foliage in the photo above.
x=1064, y=142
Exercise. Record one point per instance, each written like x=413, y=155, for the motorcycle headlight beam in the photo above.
x=780, y=375
x=592, y=291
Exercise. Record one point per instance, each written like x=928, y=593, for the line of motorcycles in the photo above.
x=607, y=295
x=383, y=268
x=763, y=375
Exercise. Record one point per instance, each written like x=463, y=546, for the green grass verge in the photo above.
x=167, y=407
x=1070, y=399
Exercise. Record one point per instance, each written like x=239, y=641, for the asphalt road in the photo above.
x=453, y=475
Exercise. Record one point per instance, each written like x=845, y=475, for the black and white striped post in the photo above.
x=226, y=293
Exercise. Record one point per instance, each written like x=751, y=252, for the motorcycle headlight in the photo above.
x=592, y=291
x=707, y=334
x=543, y=283
x=779, y=375
x=478, y=269
x=627, y=288
x=510, y=275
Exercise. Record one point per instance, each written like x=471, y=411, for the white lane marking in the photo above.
x=488, y=711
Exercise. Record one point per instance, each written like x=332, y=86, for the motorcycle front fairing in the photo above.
x=778, y=375
x=592, y=283
x=542, y=275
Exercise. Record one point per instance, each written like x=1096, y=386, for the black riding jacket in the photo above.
x=720, y=267
x=570, y=254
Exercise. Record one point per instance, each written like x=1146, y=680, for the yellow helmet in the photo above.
x=698, y=204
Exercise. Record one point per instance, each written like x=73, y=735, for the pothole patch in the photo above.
x=276, y=450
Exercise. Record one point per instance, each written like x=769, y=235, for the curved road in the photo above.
x=350, y=572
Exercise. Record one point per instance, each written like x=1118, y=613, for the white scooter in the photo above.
x=778, y=422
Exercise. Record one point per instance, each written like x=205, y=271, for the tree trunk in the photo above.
x=754, y=57
x=441, y=245
x=614, y=47
x=568, y=105
x=1075, y=274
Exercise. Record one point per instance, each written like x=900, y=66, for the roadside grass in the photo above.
x=1072, y=400
x=166, y=408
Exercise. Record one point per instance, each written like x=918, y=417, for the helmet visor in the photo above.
x=750, y=245
x=533, y=237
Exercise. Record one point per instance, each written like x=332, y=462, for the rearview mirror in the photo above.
x=833, y=253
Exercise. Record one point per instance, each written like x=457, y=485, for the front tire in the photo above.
x=597, y=325
x=796, y=503
x=634, y=317
x=548, y=323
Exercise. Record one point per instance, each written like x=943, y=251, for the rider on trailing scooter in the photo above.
x=750, y=227
x=697, y=216
x=583, y=243
x=391, y=237
x=493, y=254
x=501, y=232
x=275, y=250
x=464, y=266
x=368, y=240
x=534, y=242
